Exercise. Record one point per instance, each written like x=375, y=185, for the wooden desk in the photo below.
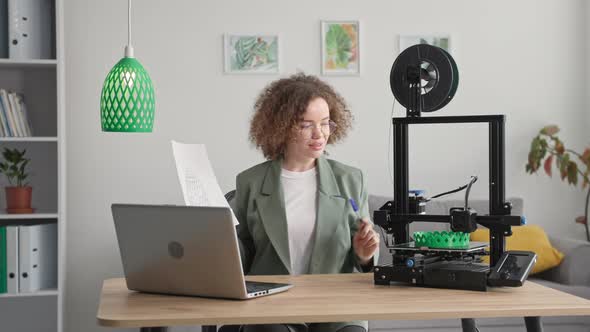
x=331, y=298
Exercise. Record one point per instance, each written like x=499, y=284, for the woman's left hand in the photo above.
x=365, y=242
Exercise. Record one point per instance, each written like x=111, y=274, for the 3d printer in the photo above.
x=424, y=78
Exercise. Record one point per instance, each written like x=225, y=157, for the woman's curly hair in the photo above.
x=280, y=107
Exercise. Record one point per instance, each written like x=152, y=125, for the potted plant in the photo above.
x=547, y=144
x=19, y=193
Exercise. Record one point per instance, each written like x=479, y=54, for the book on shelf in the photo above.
x=12, y=275
x=28, y=258
x=14, y=120
x=4, y=130
x=3, y=29
x=24, y=117
x=13, y=116
x=37, y=257
x=29, y=29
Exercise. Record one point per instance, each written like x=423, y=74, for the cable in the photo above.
x=473, y=180
x=129, y=47
x=455, y=190
x=447, y=192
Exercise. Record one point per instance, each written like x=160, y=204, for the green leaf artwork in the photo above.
x=338, y=46
x=341, y=47
x=253, y=53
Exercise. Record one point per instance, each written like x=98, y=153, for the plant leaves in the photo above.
x=562, y=162
x=547, y=165
x=559, y=147
x=586, y=157
x=536, y=154
x=572, y=173
x=550, y=130
x=14, y=165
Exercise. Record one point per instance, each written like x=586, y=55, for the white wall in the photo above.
x=520, y=58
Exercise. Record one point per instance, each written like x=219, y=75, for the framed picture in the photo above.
x=340, y=48
x=251, y=54
x=442, y=41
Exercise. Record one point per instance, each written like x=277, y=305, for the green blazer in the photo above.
x=260, y=209
x=264, y=242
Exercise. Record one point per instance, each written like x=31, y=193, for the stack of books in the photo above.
x=28, y=258
x=14, y=121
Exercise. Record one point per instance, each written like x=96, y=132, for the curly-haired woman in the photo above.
x=294, y=210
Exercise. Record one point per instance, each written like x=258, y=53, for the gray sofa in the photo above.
x=571, y=276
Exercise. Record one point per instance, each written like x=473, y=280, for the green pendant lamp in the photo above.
x=127, y=100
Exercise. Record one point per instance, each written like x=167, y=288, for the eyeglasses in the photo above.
x=325, y=127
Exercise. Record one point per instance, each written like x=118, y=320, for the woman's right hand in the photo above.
x=365, y=242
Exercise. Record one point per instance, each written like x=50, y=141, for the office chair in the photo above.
x=229, y=196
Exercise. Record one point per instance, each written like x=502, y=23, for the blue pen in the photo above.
x=355, y=207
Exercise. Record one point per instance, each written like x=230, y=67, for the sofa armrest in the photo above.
x=574, y=269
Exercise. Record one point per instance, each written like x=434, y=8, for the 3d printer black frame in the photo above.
x=499, y=220
x=395, y=216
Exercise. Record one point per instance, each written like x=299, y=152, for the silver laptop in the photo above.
x=183, y=250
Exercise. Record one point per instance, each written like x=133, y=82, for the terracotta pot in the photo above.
x=18, y=199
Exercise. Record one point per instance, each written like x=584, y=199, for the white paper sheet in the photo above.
x=197, y=179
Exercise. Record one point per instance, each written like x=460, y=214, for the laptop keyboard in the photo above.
x=254, y=286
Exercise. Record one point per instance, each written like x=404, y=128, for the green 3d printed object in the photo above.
x=448, y=240
x=127, y=99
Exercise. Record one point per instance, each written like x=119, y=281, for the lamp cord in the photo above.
x=129, y=22
x=129, y=47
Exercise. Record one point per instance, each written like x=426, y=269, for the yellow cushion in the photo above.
x=529, y=238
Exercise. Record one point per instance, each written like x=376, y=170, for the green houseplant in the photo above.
x=18, y=193
x=547, y=148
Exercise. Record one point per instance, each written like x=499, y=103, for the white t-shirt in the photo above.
x=300, y=192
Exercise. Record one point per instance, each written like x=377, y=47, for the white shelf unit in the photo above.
x=41, y=82
x=35, y=63
x=28, y=139
x=41, y=214
x=43, y=292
